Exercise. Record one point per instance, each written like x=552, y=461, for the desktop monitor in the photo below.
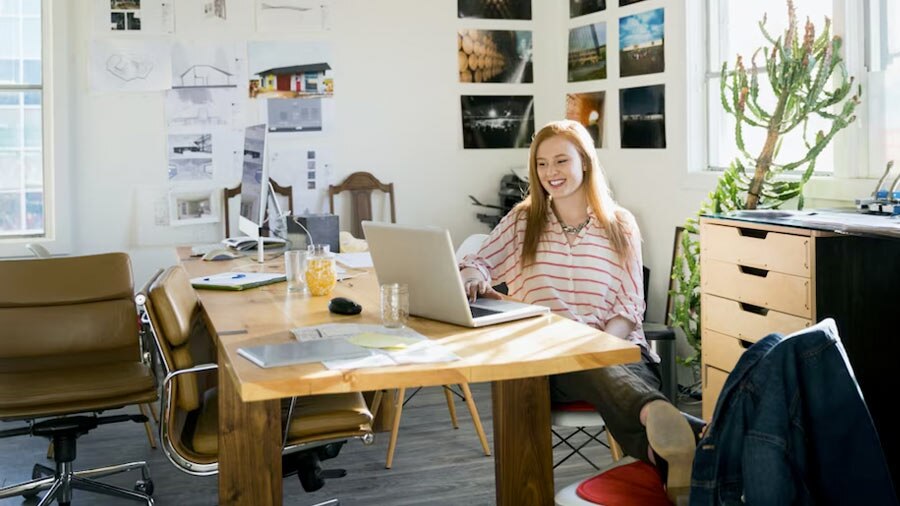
x=254, y=182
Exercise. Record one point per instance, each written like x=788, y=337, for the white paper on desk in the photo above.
x=423, y=352
x=361, y=260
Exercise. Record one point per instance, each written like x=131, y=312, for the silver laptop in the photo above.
x=423, y=258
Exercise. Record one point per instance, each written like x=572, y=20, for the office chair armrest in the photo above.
x=189, y=370
x=658, y=332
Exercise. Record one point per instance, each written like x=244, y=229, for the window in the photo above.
x=732, y=29
x=884, y=83
x=22, y=197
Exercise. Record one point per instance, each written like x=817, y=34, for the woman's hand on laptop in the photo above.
x=480, y=288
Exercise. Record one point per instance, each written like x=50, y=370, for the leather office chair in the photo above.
x=285, y=191
x=318, y=426
x=361, y=185
x=69, y=350
x=581, y=416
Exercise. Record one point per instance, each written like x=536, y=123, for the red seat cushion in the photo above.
x=635, y=484
x=572, y=406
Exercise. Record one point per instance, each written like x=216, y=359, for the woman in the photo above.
x=570, y=247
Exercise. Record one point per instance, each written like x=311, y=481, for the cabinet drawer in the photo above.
x=721, y=351
x=745, y=321
x=713, y=382
x=773, y=251
x=768, y=289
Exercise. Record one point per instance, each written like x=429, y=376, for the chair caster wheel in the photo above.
x=144, y=486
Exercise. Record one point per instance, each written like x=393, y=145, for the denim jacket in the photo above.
x=791, y=427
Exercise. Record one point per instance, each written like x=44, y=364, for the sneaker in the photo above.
x=671, y=438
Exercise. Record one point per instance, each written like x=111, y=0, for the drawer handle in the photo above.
x=753, y=232
x=750, y=308
x=753, y=271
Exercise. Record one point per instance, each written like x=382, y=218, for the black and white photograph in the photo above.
x=623, y=3
x=491, y=122
x=583, y=7
x=494, y=9
x=190, y=145
x=643, y=111
x=193, y=207
x=295, y=115
x=495, y=56
x=133, y=20
x=117, y=21
x=589, y=109
x=642, y=43
x=124, y=5
x=190, y=169
x=587, y=52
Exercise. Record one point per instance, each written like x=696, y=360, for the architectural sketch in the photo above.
x=128, y=67
x=206, y=65
x=203, y=107
x=145, y=16
x=290, y=15
x=204, y=75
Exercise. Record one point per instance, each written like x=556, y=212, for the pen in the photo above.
x=236, y=276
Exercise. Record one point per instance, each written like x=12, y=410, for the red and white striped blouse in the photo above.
x=585, y=281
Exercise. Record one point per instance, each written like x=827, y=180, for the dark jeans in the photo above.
x=618, y=392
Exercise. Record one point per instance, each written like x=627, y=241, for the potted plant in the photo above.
x=806, y=74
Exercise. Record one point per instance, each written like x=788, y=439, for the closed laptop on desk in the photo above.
x=423, y=258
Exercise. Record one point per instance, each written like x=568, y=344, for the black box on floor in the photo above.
x=324, y=229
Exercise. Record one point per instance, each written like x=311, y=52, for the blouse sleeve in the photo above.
x=629, y=302
x=500, y=252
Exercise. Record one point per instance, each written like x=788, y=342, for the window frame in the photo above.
x=54, y=118
x=853, y=174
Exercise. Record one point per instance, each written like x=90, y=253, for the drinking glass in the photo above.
x=295, y=270
x=321, y=275
x=394, y=305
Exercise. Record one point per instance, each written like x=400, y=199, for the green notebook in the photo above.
x=236, y=280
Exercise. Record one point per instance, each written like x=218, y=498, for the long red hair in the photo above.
x=612, y=217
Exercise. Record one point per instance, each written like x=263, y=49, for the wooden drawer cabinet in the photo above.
x=754, y=280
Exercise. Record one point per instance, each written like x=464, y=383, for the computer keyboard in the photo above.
x=478, y=311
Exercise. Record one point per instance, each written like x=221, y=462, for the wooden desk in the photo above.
x=517, y=357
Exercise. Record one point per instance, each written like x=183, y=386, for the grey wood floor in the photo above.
x=433, y=464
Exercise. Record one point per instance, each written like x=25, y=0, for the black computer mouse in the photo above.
x=343, y=305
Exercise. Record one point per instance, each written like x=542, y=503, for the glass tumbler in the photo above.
x=295, y=270
x=394, y=305
x=321, y=275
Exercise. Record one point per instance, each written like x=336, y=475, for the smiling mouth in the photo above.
x=556, y=183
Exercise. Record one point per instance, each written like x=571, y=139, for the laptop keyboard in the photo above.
x=478, y=311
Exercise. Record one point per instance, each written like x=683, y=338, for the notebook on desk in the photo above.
x=237, y=280
x=423, y=258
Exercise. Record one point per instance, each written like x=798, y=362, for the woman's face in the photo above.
x=559, y=167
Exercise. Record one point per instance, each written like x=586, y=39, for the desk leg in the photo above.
x=249, y=448
x=523, y=458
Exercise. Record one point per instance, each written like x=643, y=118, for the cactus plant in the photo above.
x=807, y=77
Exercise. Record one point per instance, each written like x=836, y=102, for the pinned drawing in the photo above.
x=146, y=16
x=130, y=65
x=289, y=70
x=190, y=157
x=197, y=65
x=201, y=107
x=190, y=169
x=213, y=9
x=194, y=207
x=294, y=115
x=291, y=15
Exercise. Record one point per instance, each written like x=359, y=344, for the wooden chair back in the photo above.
x=360, y=185
x=284, y=191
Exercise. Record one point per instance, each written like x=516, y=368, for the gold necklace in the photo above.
x=569, y=229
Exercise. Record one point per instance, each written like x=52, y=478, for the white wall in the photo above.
x=397, y=115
